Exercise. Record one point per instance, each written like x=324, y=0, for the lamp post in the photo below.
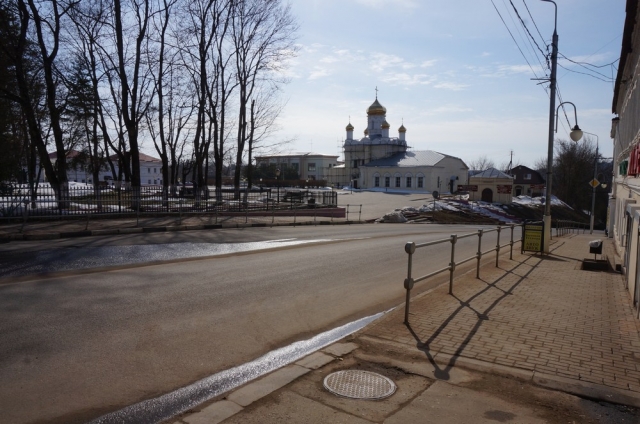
x=593, y=194
x=278, y=183
x=575, y=135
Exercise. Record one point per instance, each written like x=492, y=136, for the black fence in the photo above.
x=19, y=201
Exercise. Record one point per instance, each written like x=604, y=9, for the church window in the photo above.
x=376, y=182
x=387, y=181
x=420, y=182
x=311, y=167
x=397, y=181
x=408, y=182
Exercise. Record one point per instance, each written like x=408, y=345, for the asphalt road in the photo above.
x=75, y=345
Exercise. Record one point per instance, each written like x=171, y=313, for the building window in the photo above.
x=148, y=170
x=355, y=163
x=154, y=170
x=527, y=176
x=387, y=181
x=420, y=182
x=397, y=181
x=149, y=181
x=408, y=182
x=376, y=181
x=311, y=167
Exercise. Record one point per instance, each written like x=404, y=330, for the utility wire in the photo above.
x=589, y=69
x=513, y=38
x=584, y=73
x=526, y=29
x=525, y=39
x=533, y=20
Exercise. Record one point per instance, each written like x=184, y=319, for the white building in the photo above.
x=378, y=160
x=624, y=205
x=150, y=169
x=309, y=166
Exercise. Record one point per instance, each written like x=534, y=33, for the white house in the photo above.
x=150, y=169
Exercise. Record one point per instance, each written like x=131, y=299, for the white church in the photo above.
x=378, y=161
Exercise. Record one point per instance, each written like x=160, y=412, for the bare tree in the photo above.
x=482, y=163
x=263, y=38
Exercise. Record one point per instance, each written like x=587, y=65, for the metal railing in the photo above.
x=411, y=247
x=564, y=227
x=18, y=201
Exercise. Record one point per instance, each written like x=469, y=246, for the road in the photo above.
x=76, y=344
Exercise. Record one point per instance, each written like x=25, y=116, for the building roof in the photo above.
x=70, y=154
x=409, y=159
x=376, y=108
x=492, y=173
x=297, y=154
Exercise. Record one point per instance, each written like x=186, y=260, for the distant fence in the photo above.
x=18, y=201
x=564, y=227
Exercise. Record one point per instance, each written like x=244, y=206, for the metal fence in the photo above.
x=564, y=227
x=411, y=247
x=19, y=201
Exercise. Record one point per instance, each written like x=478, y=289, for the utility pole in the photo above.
x=552, y=107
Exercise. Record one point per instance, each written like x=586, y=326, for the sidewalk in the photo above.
x=537, y=340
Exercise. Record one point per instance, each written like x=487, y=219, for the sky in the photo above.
x=451, y=72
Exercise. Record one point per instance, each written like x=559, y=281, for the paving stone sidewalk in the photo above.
x=541, y=314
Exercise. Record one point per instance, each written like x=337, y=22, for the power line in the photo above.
x=533, y=20
x=526, y=29
x=513, y=38
x=583, y=65
x=523, y=37
x=584, y=73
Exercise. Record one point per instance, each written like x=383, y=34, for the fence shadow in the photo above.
x=442, y=373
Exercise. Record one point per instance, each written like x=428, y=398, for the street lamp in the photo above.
x=278, y=183
x=575, y=135
x=593, y=194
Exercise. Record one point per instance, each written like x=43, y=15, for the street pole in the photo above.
x=593, y=195
x=552, y=107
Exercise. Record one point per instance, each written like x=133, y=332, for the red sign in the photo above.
x=537, y=186
x=504, y=189
x=634, y=161
x=467, y=188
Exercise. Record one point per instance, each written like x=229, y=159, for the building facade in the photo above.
x=624, y=203
x=527, y=181
x=309, y=166
x=491, y=186
x=79, y=171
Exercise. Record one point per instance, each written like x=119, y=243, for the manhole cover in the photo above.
x=359, y=384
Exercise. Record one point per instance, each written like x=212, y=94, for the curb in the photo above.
x=237, y=400
x=6, y=238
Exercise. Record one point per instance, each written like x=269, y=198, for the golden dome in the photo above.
x=385, y=125
x=376, y=109
x=402, y=129
x=349, y=127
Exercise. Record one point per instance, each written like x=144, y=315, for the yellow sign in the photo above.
x=532, y=239
x=594, y=183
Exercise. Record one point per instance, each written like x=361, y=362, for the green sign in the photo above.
x=532, y=237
